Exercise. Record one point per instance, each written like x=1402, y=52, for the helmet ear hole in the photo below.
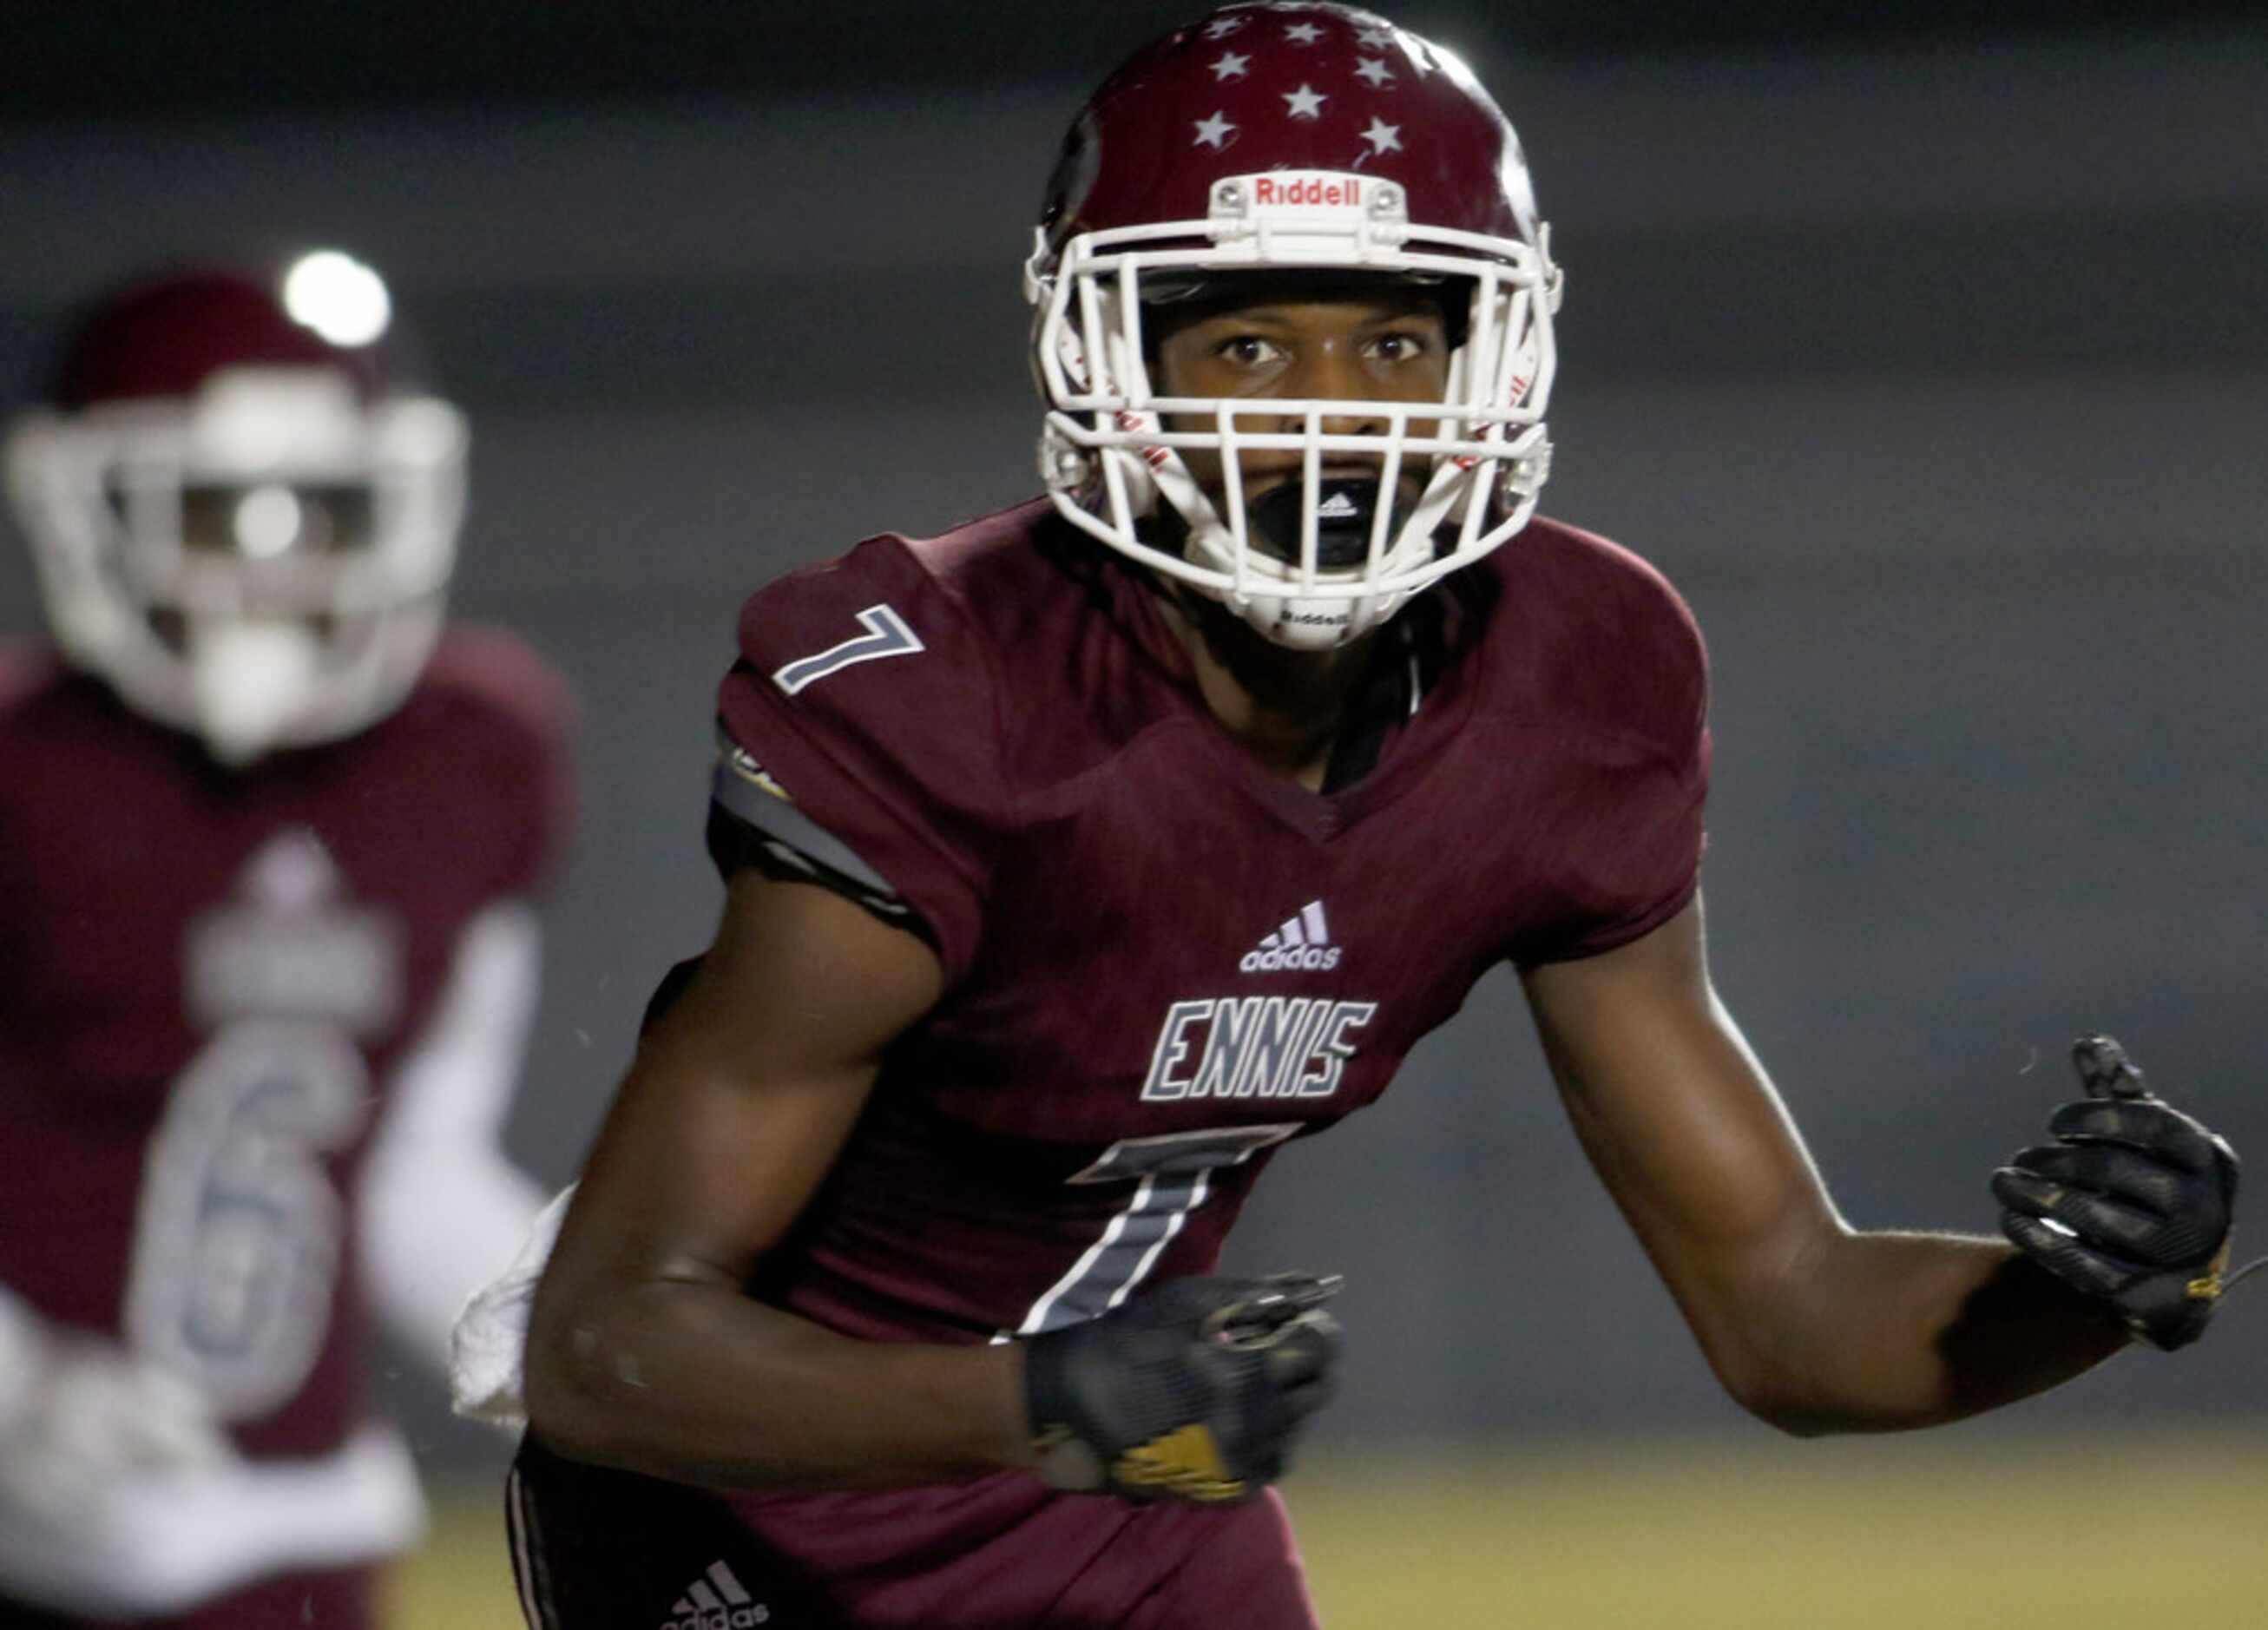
x=1064, y=465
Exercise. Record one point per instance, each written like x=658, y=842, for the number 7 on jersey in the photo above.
x=886, y=635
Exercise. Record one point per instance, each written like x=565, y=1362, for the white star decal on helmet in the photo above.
x=1384, y=137
x=1221, y=28
x=1303, y=33
x=1376, y=39
x=1230, y=66
x=1213, y=132
x=1306, y=102
x=1375, y=72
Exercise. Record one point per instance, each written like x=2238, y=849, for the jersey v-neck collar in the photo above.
x=1413, y=709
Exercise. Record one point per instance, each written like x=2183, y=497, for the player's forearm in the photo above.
x=1881, y=1332
x=22, y=1342
x=694, y=1382
x=439, y=1224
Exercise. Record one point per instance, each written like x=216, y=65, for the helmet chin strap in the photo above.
x=249, y=682
x=1297, y=621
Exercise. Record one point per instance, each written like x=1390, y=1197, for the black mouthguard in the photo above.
x=1343, y=513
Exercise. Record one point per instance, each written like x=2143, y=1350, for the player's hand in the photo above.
x=96, y=1443
x=1193, y=1391
x=2132, y=1203
x=93, y=1415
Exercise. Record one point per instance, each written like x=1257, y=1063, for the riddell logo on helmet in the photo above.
x=1274, y=192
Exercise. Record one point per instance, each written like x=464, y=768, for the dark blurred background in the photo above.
x=1922, y=344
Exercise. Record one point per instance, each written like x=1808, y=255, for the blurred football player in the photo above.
x=268, y=839
x=1081, y=858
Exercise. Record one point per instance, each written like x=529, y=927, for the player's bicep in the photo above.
x=1678, y=1118
x=744, y=1089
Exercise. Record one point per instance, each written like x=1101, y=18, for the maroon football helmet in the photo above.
x=1276, y=137
x=244, y=516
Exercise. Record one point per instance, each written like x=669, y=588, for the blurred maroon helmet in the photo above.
x=1272, y=138
x=244, y=513
x=168, y=334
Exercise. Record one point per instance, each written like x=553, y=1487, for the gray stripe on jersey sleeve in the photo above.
x=773, y=816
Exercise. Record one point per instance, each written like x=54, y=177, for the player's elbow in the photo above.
x=1767, y=1376
x=1751, y=1383
x=1779, y=1336
x=558, y=1412
x=1807, y=1400
x=1795, y=1418
x=582, y=1380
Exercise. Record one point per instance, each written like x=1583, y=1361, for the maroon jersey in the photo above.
x=205, y=979
x=1162, y=961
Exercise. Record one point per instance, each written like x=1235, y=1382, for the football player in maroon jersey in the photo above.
x=268, y=837
x=1081, y=857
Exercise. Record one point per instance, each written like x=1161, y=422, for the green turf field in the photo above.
x=1937, y=1532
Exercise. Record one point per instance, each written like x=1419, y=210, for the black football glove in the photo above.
x=1192, y=1391
x=2132, y=1203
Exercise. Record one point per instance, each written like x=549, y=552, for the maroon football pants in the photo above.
x=595, y=1549
x=332, y=1601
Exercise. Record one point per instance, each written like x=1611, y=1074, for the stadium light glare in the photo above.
x=338, y=297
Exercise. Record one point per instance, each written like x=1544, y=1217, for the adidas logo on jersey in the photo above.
x=1303, y=943
x=1339, y=506
x=717, y=1601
